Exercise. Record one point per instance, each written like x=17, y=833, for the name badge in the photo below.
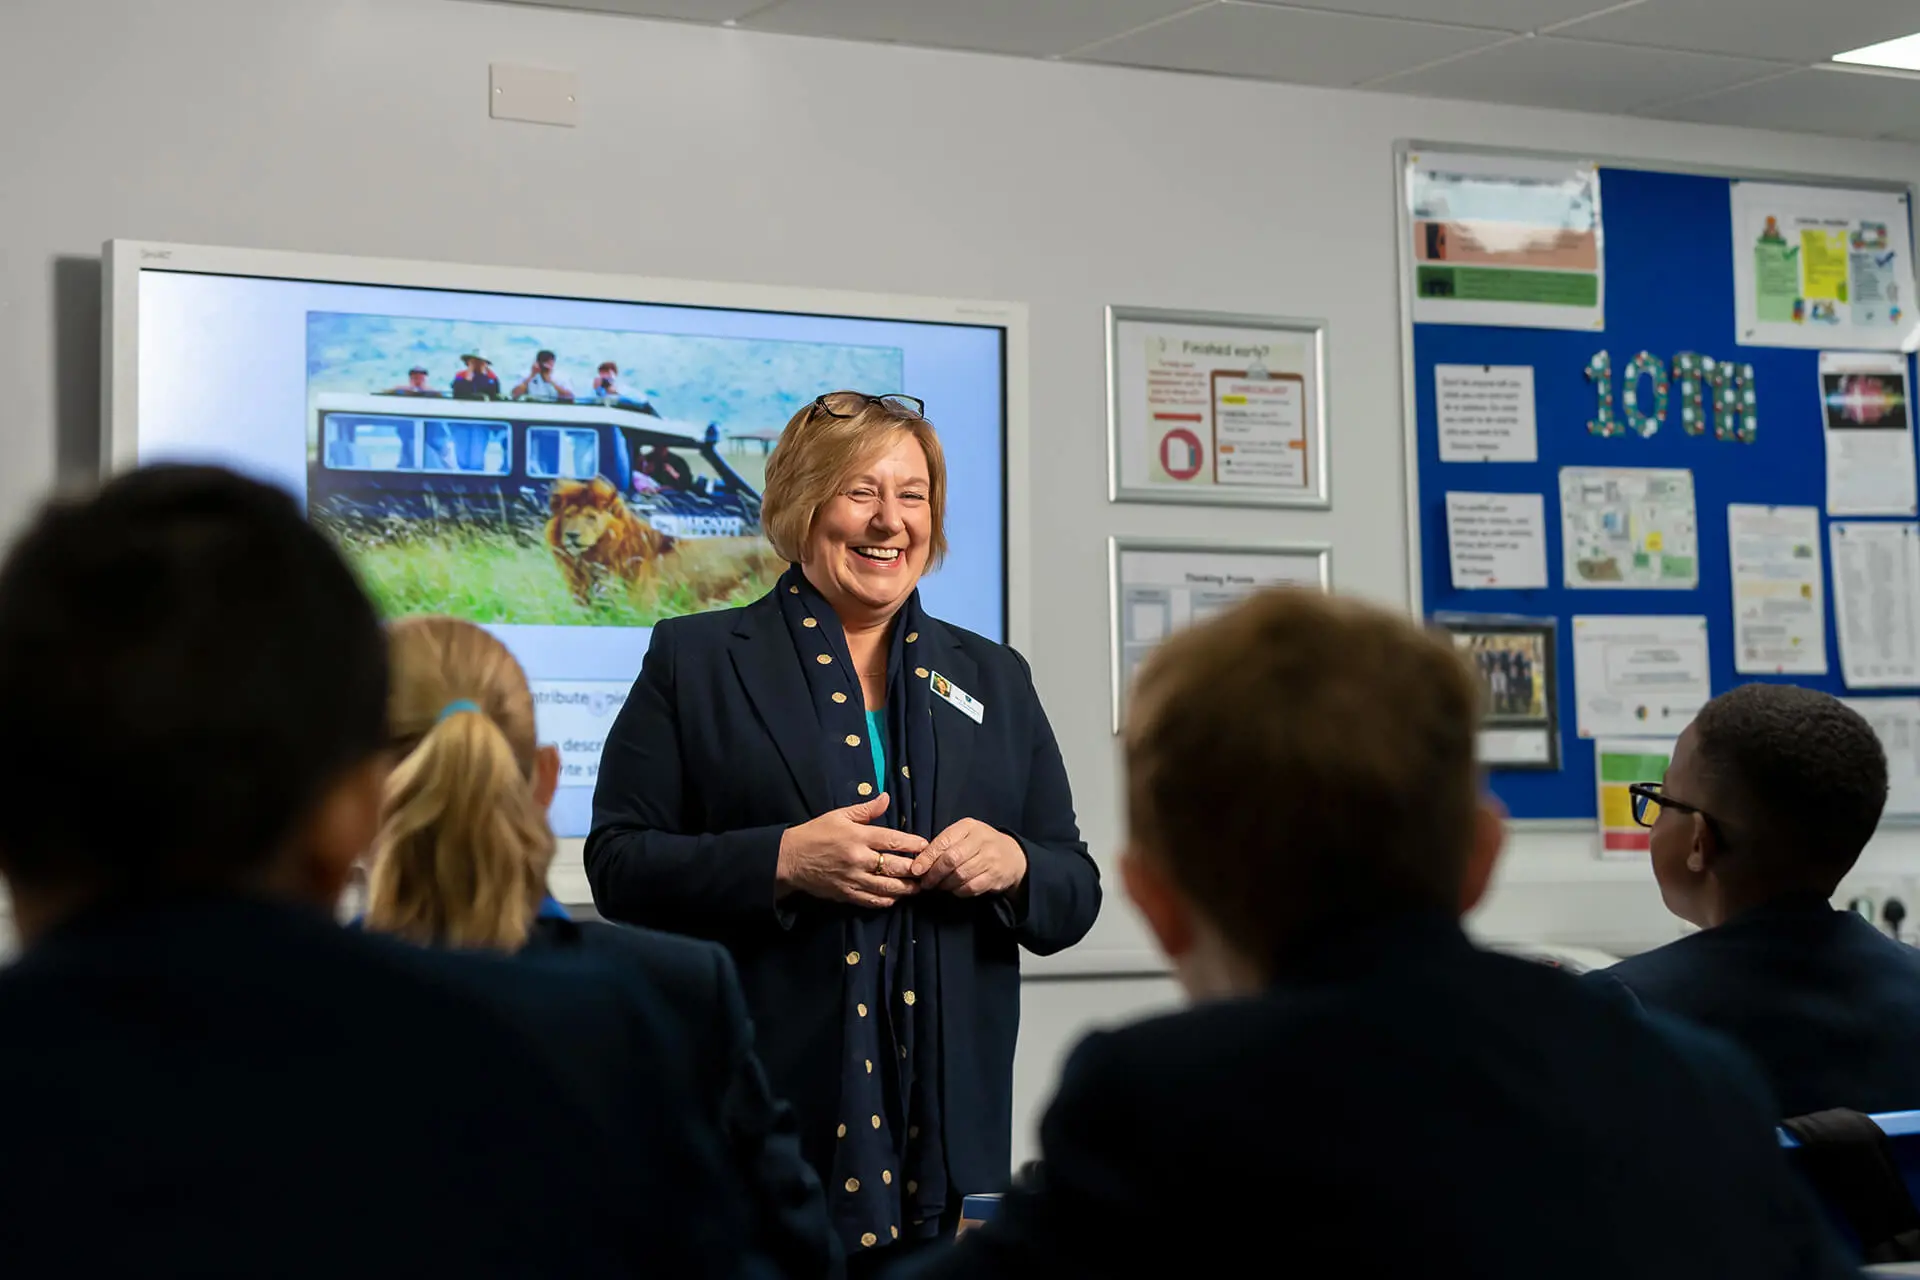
x=968, y=705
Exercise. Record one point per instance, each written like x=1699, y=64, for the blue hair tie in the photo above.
x=458, y=705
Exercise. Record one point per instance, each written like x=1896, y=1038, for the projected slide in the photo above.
x=524, y=498
x=564, y=472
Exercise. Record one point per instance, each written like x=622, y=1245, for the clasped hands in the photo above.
x=842, y=857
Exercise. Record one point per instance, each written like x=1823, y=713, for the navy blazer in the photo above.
x=1825, y=1003
x=1404, y=1104
x=716, y=754
x=696, y=980
x=231, y=1087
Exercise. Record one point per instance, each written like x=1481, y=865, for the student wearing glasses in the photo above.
x=1771, y=794
x=867, y=807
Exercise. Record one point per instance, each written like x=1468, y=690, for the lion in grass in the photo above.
x=714, y=568
x=595, y=539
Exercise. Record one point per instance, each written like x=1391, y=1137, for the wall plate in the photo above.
x=534, y=94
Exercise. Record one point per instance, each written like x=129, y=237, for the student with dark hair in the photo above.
x=203, y=1074
x=1771, y=795
x=1362, y=1091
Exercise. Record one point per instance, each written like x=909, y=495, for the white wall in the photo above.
x=360, y=126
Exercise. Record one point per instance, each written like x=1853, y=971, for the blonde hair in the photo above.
x=817, y=454
x=464, y=846
x=1303, y=758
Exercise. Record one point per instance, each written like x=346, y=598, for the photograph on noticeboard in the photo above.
x=1512, y=660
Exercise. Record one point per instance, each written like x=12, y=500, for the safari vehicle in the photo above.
x=393, y=457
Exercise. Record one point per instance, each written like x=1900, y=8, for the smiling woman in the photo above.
x=868, y=808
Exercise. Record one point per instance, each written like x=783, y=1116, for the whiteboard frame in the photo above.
x=1320, y=553
x=124, y=260
x=1409, y=394
x=1317, y=496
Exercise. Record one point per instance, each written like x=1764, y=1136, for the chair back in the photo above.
x=976, y=1210
x=1903, y=1132
x=1853, y=1180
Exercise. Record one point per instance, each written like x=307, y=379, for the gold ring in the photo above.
x=880, y=865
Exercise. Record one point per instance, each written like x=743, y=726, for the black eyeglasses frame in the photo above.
x=1645, y=794
x=893, y=400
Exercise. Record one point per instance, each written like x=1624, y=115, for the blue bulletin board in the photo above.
x=1668, y=252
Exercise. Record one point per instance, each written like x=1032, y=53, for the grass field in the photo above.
x=499, y=576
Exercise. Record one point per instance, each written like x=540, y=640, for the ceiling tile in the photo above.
x=1506, y=15
x=689, y=10
x=1032, y=27
x=1289, y=44
x=1789, y=30
x=1842, y=103
x=1577, y=75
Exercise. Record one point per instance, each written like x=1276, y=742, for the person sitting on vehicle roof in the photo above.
x=606, y=383
x=606, y=390
x=415, y=385
x=477, y=381
x=540, y=384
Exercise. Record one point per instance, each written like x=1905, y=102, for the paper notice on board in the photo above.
x=1623, y=527
x=1506, y=240
x=1644, y=676
x=1260, y=429
x=1822, y=267
x=1868, y=418
x=1497, y=540
x=1486, y=413
x=1779, y=599
x=1876, y=603
x=1823, y=263
x=1896, y=722
x=1617, y=765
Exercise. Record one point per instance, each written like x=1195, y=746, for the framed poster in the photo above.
x=1224, y=410
x=1513, y=661
x=1158, y=587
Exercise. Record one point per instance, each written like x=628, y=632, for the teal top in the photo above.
x=877, y=738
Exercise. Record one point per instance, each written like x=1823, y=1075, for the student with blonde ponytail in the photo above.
x=464, y=843
x=462, y=860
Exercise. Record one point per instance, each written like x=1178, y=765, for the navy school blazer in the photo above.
x=243, y=1088
x=1401, y=1103
x=787, y=1215
x=716, y=754
x=1825, y=1003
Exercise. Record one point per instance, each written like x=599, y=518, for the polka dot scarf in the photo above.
x=889, y=1179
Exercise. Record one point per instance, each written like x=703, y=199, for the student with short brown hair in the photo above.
x=1367, y=766
x=1362, y=1090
